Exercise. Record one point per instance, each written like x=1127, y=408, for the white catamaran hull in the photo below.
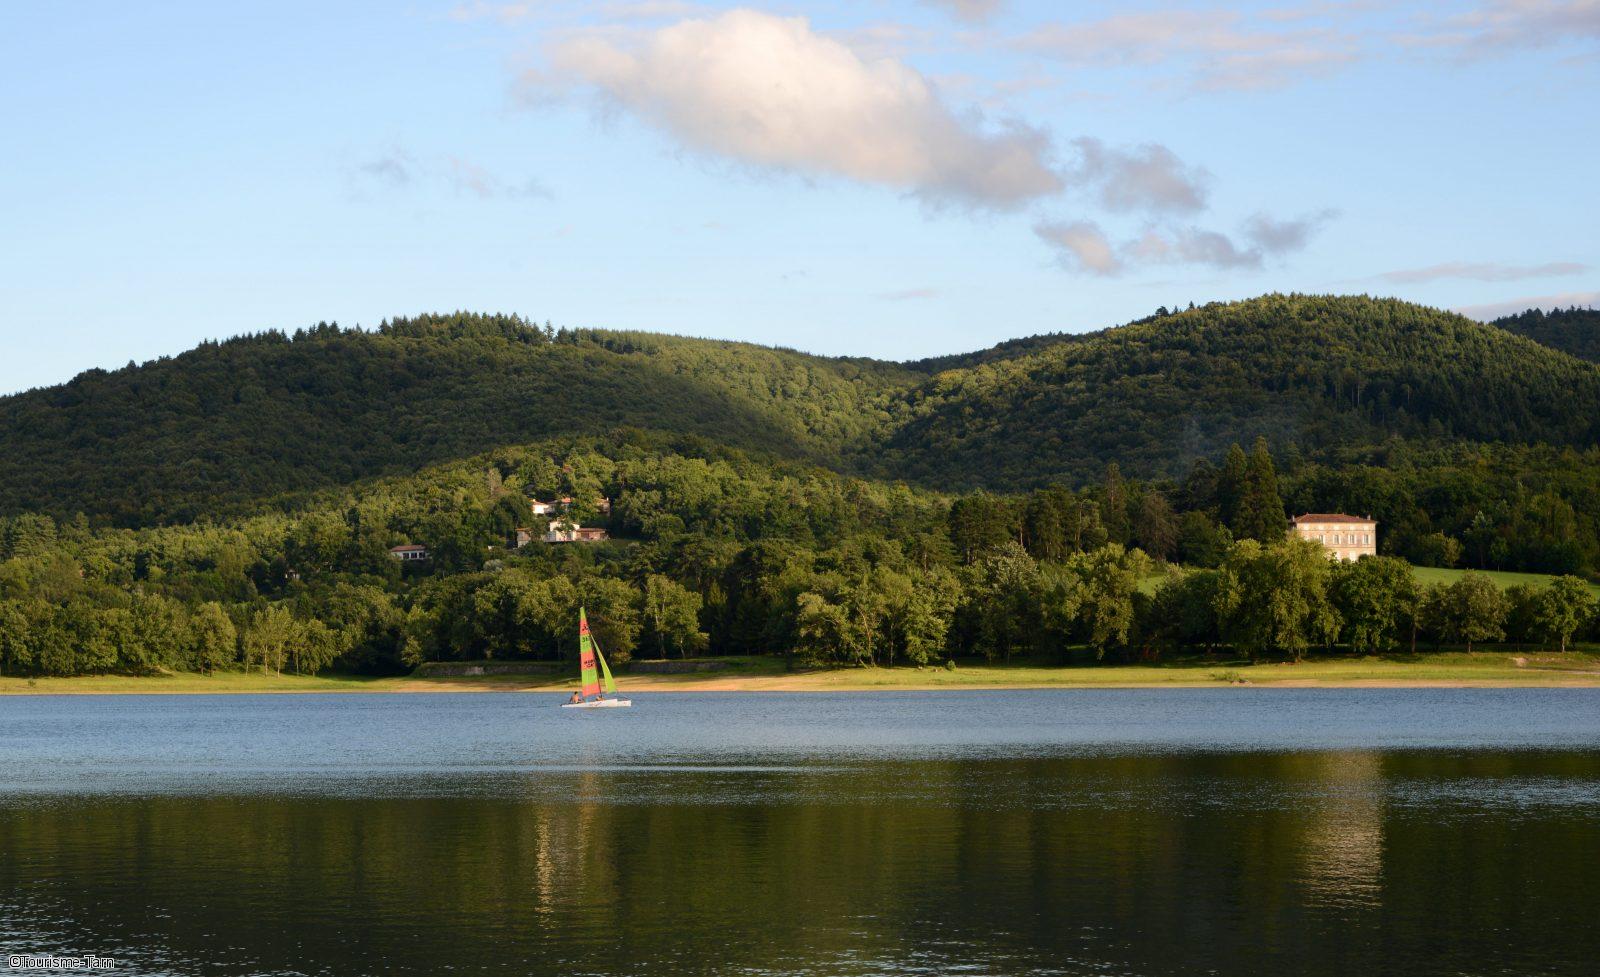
x=599, y=704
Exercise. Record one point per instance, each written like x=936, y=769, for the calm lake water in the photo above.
x=1221, y=831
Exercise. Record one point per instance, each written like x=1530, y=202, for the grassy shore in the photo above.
x=1448, y=669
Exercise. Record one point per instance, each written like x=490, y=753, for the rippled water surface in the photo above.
x=1215, y=831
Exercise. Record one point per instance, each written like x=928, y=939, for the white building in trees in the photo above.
x=1344, y=537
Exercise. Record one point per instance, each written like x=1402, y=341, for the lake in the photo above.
x=1104, y=832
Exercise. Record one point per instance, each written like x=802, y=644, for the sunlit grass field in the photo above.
x=1504, y=578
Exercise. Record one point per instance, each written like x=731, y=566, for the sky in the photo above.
x=888, y=179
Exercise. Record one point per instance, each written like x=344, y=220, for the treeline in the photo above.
x=725, y=552
x=1571, y=330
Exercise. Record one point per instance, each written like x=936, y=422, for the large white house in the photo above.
x=1344, y=537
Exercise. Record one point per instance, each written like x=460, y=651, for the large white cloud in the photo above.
x=771, y=92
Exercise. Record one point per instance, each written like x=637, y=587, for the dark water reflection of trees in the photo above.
x=1249, y=863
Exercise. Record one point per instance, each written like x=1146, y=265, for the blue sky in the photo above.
x=874, y=178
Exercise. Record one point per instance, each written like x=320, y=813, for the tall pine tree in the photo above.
x=1231, y=490
x=1261, y=508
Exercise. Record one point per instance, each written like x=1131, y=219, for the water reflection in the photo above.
x=629, y=851
x=1140, y=864
x=1343, y=841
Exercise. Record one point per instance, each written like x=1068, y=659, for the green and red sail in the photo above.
x=594, y=679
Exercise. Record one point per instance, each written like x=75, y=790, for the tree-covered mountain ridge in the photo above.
x=229, y=424
x=232, y=422
x=1571, y=330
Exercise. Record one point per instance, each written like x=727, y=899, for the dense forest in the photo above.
x=715, y=550
x=1118, y=495
x=1572, y=330
x=228, y=426
x=1316, y=372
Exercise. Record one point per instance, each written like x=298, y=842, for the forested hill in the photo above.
x=1574, y=330
x=1315, y=371
x=229, y=423
x=221, y=428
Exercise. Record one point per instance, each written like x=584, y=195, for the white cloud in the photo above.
x=1081, y=246
x=771, y=92
x=1149, y=177
x=1482, y=271
x=1563, y=300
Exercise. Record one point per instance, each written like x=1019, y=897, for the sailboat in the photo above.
x=597, y=682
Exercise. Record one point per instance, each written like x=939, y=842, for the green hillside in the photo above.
x=1316, y=371
x=226, y=426
x=229, y=423
x=1575, y=331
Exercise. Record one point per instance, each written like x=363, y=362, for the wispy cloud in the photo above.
x=1275, y=237
x=394, y=167
x=398, y=168
x=1561, y=300
x=468, y=177
x=772, y=93
x=1499, y=26
x=1482, y=271
x=1150, y=177
x=615, y=11
x=1218, y=49
x=1083, y=246
x=971, y=11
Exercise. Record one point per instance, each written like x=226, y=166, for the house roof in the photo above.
x=1332, y=517
x=407, y=548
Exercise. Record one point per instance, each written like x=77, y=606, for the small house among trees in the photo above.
x=566, y=531
x=1344, y=537
x=409, y=553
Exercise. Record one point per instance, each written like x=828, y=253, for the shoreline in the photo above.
x=1447, y=670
